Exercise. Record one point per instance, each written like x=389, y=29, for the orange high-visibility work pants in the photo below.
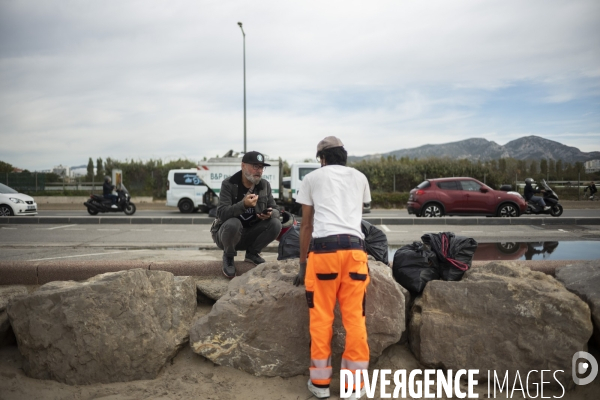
x=341, y=275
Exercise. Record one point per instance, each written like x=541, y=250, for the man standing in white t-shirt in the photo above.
x=332, y=200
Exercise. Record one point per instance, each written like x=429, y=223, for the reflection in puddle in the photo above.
x=565, y=250
x=552, y=250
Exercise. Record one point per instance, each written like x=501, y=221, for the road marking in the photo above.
x=562, y=230
x=399, y=231
x=58, y=227
x=385, y=228
x=175, y=230
x=75, y=229
x=86, y=255
x=141, y=230
x=108, y=230
x=8, y=228
x=471, y=231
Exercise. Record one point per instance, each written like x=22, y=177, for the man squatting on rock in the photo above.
x=247, y=216
x=335, y=264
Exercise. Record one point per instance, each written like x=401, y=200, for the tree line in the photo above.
x=385, y=174
x=389, y=174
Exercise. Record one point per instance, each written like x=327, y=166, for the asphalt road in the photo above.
x=191, y=242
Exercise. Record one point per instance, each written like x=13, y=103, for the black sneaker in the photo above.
x=254, y=258
x=228, y=267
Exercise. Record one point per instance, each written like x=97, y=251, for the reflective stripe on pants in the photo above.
x=341, y=275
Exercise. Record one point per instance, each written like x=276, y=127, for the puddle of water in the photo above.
x=565, y=250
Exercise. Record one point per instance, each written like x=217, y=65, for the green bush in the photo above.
x=388, y=199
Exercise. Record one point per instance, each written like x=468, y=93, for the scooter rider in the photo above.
x=336, y=268
x=107, y=189
x=592, y=188
x=529, y=194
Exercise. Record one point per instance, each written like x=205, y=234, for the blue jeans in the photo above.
x=538, y=200
x=113, y=197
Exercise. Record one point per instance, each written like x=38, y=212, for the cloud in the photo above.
x=141, y=79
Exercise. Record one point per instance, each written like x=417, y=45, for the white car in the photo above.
x=15, y=203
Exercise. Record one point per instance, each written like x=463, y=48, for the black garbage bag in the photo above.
x=415, y=265
x=376, y=242
x=289, y=244
x=454, y=253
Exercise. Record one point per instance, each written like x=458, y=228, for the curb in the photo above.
x=39, y=273
x=373, y=221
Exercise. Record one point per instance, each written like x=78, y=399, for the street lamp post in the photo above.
x=244, y=34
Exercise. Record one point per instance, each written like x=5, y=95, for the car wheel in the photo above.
x=556, y=211
x=508, y=211
x=6, y=211
x=186, y=206
x=92, y=212
x=507, y=247
x=432, y=211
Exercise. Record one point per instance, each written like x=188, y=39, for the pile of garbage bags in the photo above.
x=375, y=241
x=441, y=255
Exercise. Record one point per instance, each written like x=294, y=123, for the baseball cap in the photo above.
x=328, y=143
x=254, y=157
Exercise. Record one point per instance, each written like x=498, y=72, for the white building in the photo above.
x=61, y=171
x=592, y=166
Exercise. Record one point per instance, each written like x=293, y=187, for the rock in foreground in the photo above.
x=114, y=327
x=584, y=280
x=261, y=325
x=502, y=318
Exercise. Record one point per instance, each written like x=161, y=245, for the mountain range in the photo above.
x=525, y=148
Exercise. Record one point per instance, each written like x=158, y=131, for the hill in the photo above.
x=525, y=148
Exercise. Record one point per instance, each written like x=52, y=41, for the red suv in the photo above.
x=462, y=196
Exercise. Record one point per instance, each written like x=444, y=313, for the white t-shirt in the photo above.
x=337, y=194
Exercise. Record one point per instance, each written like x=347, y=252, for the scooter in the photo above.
x=592, y=197
x=551, y=200
x=98, y=203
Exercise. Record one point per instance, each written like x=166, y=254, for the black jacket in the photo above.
x=107, y=188
x=229, y=191
x=529, y=191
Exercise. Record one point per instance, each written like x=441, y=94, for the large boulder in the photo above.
x=261, y=324
x=583, y=279
x=114, y=327
x=212, y=287
x=500, y=318
x=6, y=294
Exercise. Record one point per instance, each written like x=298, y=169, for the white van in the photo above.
x=186, y=190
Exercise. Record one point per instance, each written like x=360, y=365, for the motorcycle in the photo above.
x=97, y=203
x=551, y=200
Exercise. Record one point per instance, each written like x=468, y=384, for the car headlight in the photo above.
x=18, y=201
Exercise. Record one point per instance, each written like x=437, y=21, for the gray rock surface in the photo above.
x=503, y=318
x=583, y=279
x=6, y=294
x=261, y=324
x=114, y=327
x=212, y=287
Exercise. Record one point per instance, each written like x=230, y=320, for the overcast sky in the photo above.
x=164, y=79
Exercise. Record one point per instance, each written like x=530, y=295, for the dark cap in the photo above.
x=328, y=143
x=254, y=157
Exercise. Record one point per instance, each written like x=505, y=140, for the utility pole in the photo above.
x=244, y=34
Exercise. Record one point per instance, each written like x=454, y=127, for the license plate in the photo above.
x=31, y=207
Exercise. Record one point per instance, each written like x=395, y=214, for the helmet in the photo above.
x=107, y=178
x=530, y=181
